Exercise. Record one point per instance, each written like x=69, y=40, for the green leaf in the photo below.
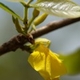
x=61, y=8
x=72, y=62
x=7, y=9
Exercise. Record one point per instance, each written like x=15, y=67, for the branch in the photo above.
x=19, y=40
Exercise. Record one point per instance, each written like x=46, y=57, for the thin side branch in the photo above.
x=19, y=40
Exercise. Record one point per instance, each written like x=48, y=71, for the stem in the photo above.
x=25, y=22
x=25, y=17
x=30, y=22
x=19, y=40
x=29, y=1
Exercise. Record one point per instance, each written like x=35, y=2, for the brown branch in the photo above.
x=19, y=40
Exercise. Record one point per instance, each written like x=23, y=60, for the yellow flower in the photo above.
x=46, y=63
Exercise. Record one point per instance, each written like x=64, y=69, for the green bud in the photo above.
x=35, y=13
x=40, y=19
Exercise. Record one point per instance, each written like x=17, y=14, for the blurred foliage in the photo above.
x=72, y=62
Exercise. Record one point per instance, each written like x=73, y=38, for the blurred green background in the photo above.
x=14, y=65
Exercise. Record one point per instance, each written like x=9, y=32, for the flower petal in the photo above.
x=46, y=63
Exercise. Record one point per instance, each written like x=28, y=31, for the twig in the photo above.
x=19, y=40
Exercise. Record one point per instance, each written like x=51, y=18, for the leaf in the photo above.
x=61, y=8
x=7, y=9
x=72, y=62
